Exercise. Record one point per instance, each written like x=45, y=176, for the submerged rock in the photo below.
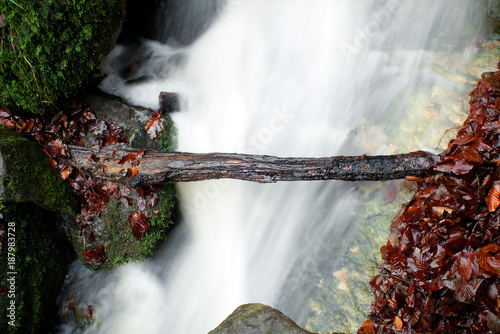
x=258, y=319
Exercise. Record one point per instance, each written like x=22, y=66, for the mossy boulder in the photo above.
x=26, y=175
x=258, y=319
x=50, y=48
x=111, y=229
x=109, y=232
x=35, y=259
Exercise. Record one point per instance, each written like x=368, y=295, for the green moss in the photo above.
x=159, y=222
x=40, y=267
x=29, y=176
x=112, y=230
x=48, y=49
x=251, y=310
x=168, y=137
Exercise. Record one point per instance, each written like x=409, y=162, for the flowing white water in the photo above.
x=278, y=77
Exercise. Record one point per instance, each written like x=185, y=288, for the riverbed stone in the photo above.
x=258, y=319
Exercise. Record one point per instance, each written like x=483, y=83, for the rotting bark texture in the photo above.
x=138, y=167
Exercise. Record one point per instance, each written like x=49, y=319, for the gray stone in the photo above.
x=258, y=319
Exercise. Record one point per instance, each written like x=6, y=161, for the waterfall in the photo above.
x=277, y=77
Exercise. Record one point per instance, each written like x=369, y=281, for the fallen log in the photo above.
x=120, y=163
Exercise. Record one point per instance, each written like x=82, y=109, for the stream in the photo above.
x=287, y=78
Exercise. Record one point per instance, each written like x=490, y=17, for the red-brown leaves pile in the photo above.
x=441, y=264
x=83, y=129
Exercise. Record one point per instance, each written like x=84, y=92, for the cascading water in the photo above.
x=279, y=77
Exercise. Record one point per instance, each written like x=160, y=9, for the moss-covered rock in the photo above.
x=34, y=260
x=111, y=229
x=49, y=48
x=110, y=232
x=258, y=319
x=26, y=175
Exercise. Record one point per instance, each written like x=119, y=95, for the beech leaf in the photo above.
x=493, y=199
x=95, y=256
x=368, y=327
x=139, y=224
x=398, y=323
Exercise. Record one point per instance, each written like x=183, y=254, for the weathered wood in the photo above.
x=162, y=167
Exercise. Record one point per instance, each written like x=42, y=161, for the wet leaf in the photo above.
x=57, y=149
x=398, y=323
x=53, y=163
x=141, y=203
x=493, y=199
x=457, y=167
x=139, y=224
x=153, y=200
x=465, y=290
x=154, y=125
x=95, y=256
x=65, y=173
x=390, y=195
x=489, y=258
x=4, y=113
x=368, y=327
x=132, y=172
x=132, y=156
x=88, y=313
x=413, y=212
x=129, y=201
x=467, y=264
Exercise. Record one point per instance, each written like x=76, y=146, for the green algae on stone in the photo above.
x=35, y=267
x=26, y=175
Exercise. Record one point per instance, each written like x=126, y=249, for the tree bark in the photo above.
x=153, y=167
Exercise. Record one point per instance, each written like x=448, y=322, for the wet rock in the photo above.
x=26, y=175
x=169, y=102
x=35, y=258
x=258, y=319
x=493, y=9
x=132, y=119
x=105, y=238
x=109, y=233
